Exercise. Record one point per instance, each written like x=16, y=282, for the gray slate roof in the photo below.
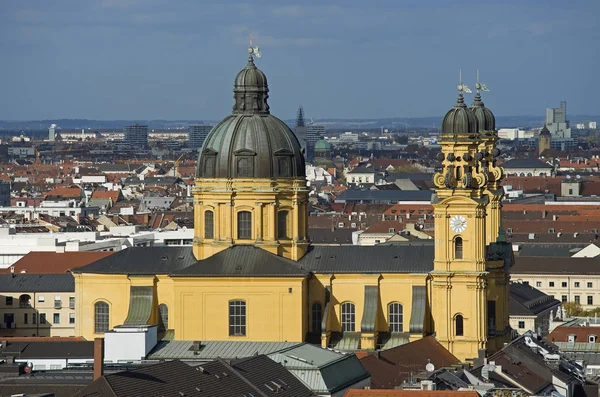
x=524, y=300
x=257, y=376
x=400, y=258
x=526, y=163
x=385, y=195
x=414, y=257
x=142, y=260
x=37, y=350
x=23, y=282
x=362, y=170
x=243, y=260
x=553, y=250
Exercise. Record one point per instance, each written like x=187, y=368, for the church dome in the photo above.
x=459, y=120
x=251, y=143
x=485, y=118
x=322, y=144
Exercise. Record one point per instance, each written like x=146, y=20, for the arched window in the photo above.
x=316, y=317
x=348, y=317
x=458, y=248
x=163, y=311
x=244, y=219
x=395, y=317
x=209, y=224
x=101, y=317
x=282, y=221
x=458, y=320
x=237, y=318
x=24, y=300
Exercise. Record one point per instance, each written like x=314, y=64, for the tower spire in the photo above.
x=462, y=88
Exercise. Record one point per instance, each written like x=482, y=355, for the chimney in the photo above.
x=98, y=358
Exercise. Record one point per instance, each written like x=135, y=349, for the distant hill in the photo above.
x=398, y=123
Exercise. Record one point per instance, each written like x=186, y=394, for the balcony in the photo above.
x=58, y=304
x=24, y=305
x=8, y=325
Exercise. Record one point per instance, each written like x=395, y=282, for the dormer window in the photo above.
x=244, y=163
x=592, y=338
x=571, y=338
x=284, y=163
x=244, y=167
x=209, y=161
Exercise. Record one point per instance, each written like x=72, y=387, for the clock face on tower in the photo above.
x=458, y=223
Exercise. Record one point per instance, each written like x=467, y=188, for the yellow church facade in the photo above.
x=252, y=274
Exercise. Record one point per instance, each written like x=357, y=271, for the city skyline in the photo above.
x=154, y=60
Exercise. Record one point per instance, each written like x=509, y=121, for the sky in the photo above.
x=177, y=59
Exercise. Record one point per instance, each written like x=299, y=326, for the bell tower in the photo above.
x=459, y=278
x=487, y=154
x=499, y=253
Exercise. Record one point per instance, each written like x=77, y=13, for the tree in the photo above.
x=573, y=309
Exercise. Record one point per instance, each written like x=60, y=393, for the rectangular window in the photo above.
x=525, y=282
x=71, y=318
x=564, y=284
x=590, y=300
x=25, y=318
x=538, y=283
x=209, y=220
x=551, y=284
x=9, y=301
x=244, y=219
x=41, y=298
x=577, y=299
x=589, y=285
x=563, y=298
x=42, y=318
x=551, y=296
x=577, y=284
x=71, y=302
x=491, y=309
x=521, y=324
x=33, y=318
x=56, y=318
x=237, y=318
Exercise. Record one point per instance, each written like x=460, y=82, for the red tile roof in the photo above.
x=561, y=334
x=107, y=194
x=391, y=367
x=66, y=192
x=55, y=262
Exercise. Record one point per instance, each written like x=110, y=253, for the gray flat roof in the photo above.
x=210, y=350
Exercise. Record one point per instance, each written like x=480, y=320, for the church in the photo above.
x=253, y=275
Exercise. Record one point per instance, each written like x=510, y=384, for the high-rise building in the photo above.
x=136, y=135
x=556, y=121
x=197, y=133
x=52, y=131
x=314, y=132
